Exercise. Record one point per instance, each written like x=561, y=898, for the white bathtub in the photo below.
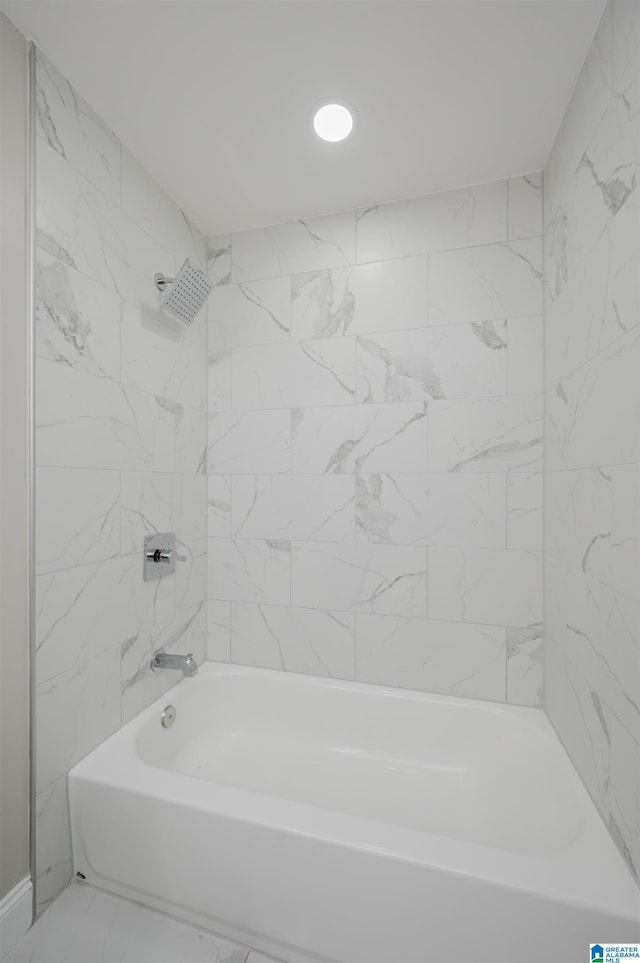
x=332, y=821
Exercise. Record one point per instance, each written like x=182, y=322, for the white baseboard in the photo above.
x=15, y=915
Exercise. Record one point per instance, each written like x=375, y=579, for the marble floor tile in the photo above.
x=85, y=925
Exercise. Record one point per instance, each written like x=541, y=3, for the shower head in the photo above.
x=186, y=294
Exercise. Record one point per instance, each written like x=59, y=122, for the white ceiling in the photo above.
x=215, y=97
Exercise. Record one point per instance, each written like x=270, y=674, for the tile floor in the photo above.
x=85, y=925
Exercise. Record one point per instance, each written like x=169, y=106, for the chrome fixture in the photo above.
x=166, y=660
x=185, y=294
x=168, y=716
x=160, y=556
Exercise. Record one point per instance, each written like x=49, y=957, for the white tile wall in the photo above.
x=249, y=570
x=525, y=206
x=462, y=361
x=375, y=437
x=486, y=434
x=318, y=507
x=382, y=296
x=438, y=222
x=311, y=245
x=388, y=579
x=294, y=374
x=256, y=312
x=359, y=438
x=121, y=422
x=433, y=509
x=295, y=639
x=486, y=282
x=592, y=405
x=447, y=657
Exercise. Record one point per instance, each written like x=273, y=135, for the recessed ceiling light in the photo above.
x=333, y=122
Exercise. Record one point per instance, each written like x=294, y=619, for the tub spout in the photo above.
x=165, y=660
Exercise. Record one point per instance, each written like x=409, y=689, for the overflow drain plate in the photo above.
x=168, y=716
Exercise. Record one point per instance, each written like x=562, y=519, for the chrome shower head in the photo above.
x=186, y=294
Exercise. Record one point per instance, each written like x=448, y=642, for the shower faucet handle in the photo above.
x=160, y=556
x=166, y=555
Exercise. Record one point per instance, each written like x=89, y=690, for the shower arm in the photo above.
x=161, y=281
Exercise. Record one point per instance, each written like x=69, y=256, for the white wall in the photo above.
x=375, y=444
x=14, y=420
x=592, y=441
x=121, y=441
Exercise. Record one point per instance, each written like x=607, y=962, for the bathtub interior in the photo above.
x=472, y=771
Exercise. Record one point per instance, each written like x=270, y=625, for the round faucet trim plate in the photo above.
x=168, y=716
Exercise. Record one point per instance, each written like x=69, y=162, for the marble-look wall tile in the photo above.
x=121, y=444
x=76, y=223
x=525, y=360
x=191, y=574
x=218, y=631
x=150, y=503
x=603, y=181
x=593, y=298
x=591, y=499
x=626, y=53
x=525, y=206
x=593, y=523
x=525, y=666
x=151, y=208
x=486, y=283
x=77, y=321
x=461, y=361
x=364, y=438
x=383, y=296
x=157, y=357
x=488, y=434
x=139, y=684
x=453, y=659
x=191, y=439
x=292, y=375
x=219, y=379
x=581, y=719
x=624, y=814
x=294, y=639
x=88, y=422
x=490, y=586
x=425, y=414
x=590, y=421
x=250, y=442
x=219, y=259
x=70, y=127
x=219, y=506
x=318, y=507
x=77, y=710
x=431, y=509
x=192, y=508
x=254, y=312
x=249, y=570
x=383, y=579
x=436, y=222
x=78, y=515
x=591, y=95
x=294, y=248
x=83, y=611
x=524, y=511
x=53, y=843
x=597, y=629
